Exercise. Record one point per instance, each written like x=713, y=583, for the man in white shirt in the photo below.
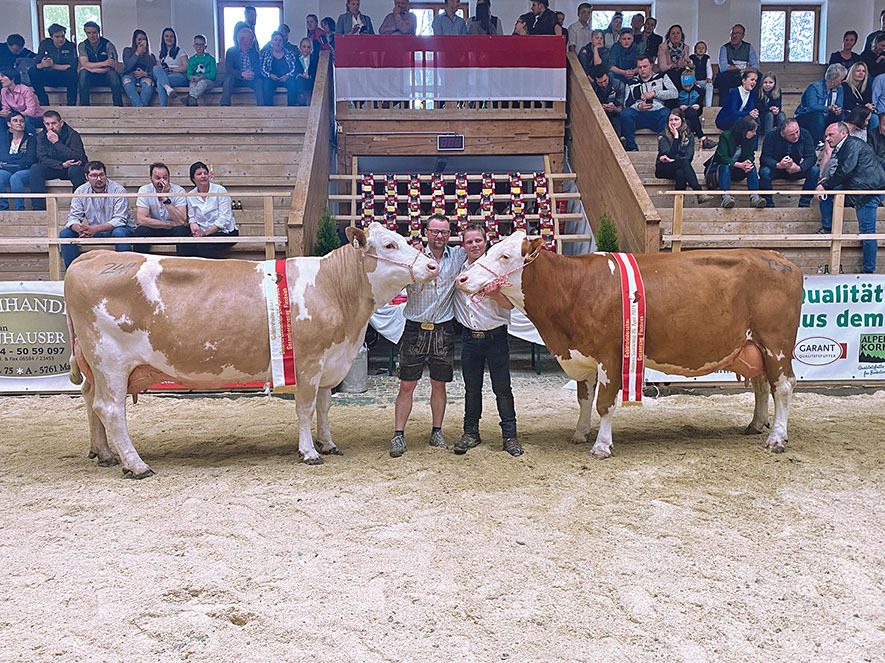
x=96, y=217
x=580, y=31
x=160, y=216
x=484, y=341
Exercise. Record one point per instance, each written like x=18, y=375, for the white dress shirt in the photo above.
x=212, y=210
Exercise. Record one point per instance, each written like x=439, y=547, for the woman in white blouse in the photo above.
x=209, y=216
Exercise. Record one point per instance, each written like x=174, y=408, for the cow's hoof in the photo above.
x=752, y=430
x=108, y=462
x=91, y=455
x=333, y=451
x=776, y=448
x=600, y=453
x=577, y=438
x=129, y=474
x=314, y=461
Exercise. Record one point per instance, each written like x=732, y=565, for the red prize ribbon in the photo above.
x=415, y=210
x=544, y=212
x=390, y=200
x=517, y=203
x=461, y=201
x=487, y=207
x=439, y=194
x=368, y=191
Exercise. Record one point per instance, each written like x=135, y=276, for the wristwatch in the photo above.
x=168, y=201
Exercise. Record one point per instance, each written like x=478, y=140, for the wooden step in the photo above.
x=101, y=96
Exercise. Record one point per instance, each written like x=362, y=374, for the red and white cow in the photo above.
x=735, y=310
x=140, y=319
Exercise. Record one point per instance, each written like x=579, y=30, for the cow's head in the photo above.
x=504, y=262
x=391, y=262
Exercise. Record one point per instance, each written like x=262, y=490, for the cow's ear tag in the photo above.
x=356, y=243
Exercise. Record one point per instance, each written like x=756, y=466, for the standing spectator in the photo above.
x=209, y=216
x=741, y=101
x=560, y=21
x=484, y=341
x=305, y=71
x=279, y=68
x=138, y=63
x=580, y=32
x=250, y=14
x=15, y=96
x=242, y=67
x=636, y=23
x=328, y=26
x=171, y=69
x=519, y=28
x=651, y=39
x=769, y=103
x=643, y=106
x=734, y=158
x=613, y=31
x=857, y=169
x=594, y=57
x=675, y=154
x=400, y=21
x=14, y=55
x=56, y=65
x=874, y=58
x=703, y=71
x=484, y=23
x=540, y=20
x=201, y=71
x=691, y=103
x=98, y=64
x=857, y=91
x=96, y=216
x=846, y=57
x=286, y=31
x=160, y=216
x=673, y=54
x=734, y=57
x=353, y=22
x=316, y=34
x=610, y=92
x=448, y=22
x=788, y=154
x=18, y=151
x=623, y=56
x=60, y=155
x=428, y=337
x=822, y=102
x=870, y=41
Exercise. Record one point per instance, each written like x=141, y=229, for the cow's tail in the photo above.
x=75, y=376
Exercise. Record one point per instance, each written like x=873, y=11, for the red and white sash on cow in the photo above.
x=633, y=298
x=279, y=323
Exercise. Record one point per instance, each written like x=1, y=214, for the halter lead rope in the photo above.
x=501, y=279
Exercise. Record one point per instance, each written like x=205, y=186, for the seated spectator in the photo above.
x=353, y=22
x=15, y=96
x=610, y=93
x=876, y=140
x=636, y=23
x=857, y=169
x=644, y=102
x=846, y=57
x=98, y=65
x=691, y=104
x=209, y=216
x=858, y=122
x=769, y=104
x=651, y=40
x=734, y=158
x=734, y=57
x=400, y=21
x=613, y=31
x=278, y=68
x=703, y=71
x=18, y=151
x=822, y=102
x=316, y=34
x=788, y=154
x=160, y=216
x=741, y=102
x=448, y=22
x=483, y=22
x=875, y=57
x=60, y=155
x=675, y=154
x=56, y=66
x=14, y=56
x=328, y=26
x=673, y=54
x=201, y=72
x=540, y=20
x=96, y=216
x=870, y=41
x=580, y=32
x=623, y=56
x=242, y=67
x=285, y=31
x=858, y=91
x=138, y=63
x=250, y=15
x=594, y=57
x=170, y=71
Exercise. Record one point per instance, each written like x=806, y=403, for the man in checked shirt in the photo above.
x=428, y=337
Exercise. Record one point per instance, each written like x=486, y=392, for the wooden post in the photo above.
x=836, y=246
x=554, y=210
x=52, y=233
x=269, y=248
x=679, y=198
x=356, y=191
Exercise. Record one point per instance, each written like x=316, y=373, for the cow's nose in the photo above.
x=462, y=279
x=432, y=266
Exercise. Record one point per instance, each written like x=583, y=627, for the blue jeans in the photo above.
x=767, y=122
x=69, y=252
x=494, y=350
x=866, y=225
x=138, y=97
x=173, y=78
x=631, y=119
x=14, y=182
x=766, y=175
x=727, y=174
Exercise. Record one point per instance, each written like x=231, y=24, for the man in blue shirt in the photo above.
x=449, y=23
x=623, y=57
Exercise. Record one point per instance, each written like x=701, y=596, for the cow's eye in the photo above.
x=504, y=256
x=391, y=245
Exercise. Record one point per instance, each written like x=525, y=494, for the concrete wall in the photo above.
x=700, y=19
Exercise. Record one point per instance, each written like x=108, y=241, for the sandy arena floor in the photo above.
x=691, y=544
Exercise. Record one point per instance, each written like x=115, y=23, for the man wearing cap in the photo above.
x=56, y=65
x=540, y=20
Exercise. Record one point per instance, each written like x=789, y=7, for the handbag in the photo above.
x=711, y=175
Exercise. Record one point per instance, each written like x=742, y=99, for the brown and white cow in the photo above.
x=732, y=310
x=140, y=319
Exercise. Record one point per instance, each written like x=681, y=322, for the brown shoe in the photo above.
x=467, y=441
x=512, y=446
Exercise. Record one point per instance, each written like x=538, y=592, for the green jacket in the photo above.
x=728, y=148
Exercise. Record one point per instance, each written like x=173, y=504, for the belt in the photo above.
x=429, y=326
x=483, y=333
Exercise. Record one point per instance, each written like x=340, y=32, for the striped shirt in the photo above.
x=481, y=315
x=435, y=303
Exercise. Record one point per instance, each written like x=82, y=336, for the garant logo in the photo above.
x=819, y=351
